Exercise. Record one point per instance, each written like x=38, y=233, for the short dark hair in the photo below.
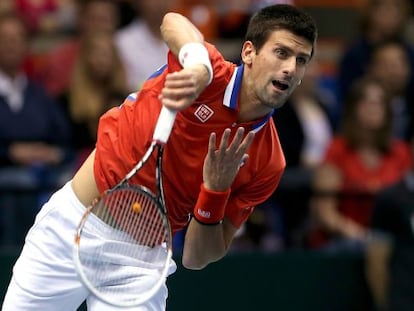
x=281, y=17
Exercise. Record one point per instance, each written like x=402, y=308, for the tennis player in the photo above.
x=222, y=159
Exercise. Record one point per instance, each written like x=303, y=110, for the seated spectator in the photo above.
x=93, y=16
x=390, y=248
x=360, y=161
x=31, y=125
x=142, y=37
x=98, y=82
x=45, y=17
x=34, y=132
x=381, y=20
x=390, y=64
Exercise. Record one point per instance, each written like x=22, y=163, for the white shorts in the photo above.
x=44, y=276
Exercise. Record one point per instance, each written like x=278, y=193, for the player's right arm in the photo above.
x=177, y=30
x=184, y=40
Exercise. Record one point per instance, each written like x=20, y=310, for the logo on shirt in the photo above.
x=203, y=213
x=203, y=113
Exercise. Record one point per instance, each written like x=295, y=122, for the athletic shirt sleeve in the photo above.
x=124, y=134
x=241, y=204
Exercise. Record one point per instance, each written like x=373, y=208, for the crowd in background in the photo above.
x=348, y=143
x=64, y=62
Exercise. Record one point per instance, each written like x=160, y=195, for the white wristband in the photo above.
x=195, y=53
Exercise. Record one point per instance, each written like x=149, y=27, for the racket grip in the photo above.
x=164, y=125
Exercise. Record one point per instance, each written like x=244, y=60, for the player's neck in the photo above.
x=250, y=108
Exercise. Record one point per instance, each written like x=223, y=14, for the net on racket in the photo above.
x=124, y=254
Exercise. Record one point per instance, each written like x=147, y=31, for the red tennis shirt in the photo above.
x=125, y=132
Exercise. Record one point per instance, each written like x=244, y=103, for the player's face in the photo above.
x=276, y=69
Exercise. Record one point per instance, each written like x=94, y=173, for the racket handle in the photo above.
x=164, y=125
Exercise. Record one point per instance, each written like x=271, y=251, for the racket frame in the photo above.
x=160, y=137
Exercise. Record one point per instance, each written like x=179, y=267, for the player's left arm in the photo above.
x=206, y=244
x=214, y=224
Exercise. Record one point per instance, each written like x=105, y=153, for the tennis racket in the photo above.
x=123, y=243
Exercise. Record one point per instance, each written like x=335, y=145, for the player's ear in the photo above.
x=248, y=53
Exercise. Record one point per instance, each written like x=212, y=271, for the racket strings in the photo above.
x=138, y=214
x=134, y=244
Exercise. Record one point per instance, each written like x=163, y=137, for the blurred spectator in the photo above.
x=360, y=161
x=6, y=6
x=31, y=124
x=98, y=82
x=305, y=129
x=93, y=16
x=390, y=249
x=204, y=14
x=34, y=133
x=235, y=14
x=390, y=64
x=380, y=20
x=141, y=38
x=44, y=17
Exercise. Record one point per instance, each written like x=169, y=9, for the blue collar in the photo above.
x=231, y=95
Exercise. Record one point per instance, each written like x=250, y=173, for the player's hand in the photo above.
x=181, y=88
x=222, y=164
